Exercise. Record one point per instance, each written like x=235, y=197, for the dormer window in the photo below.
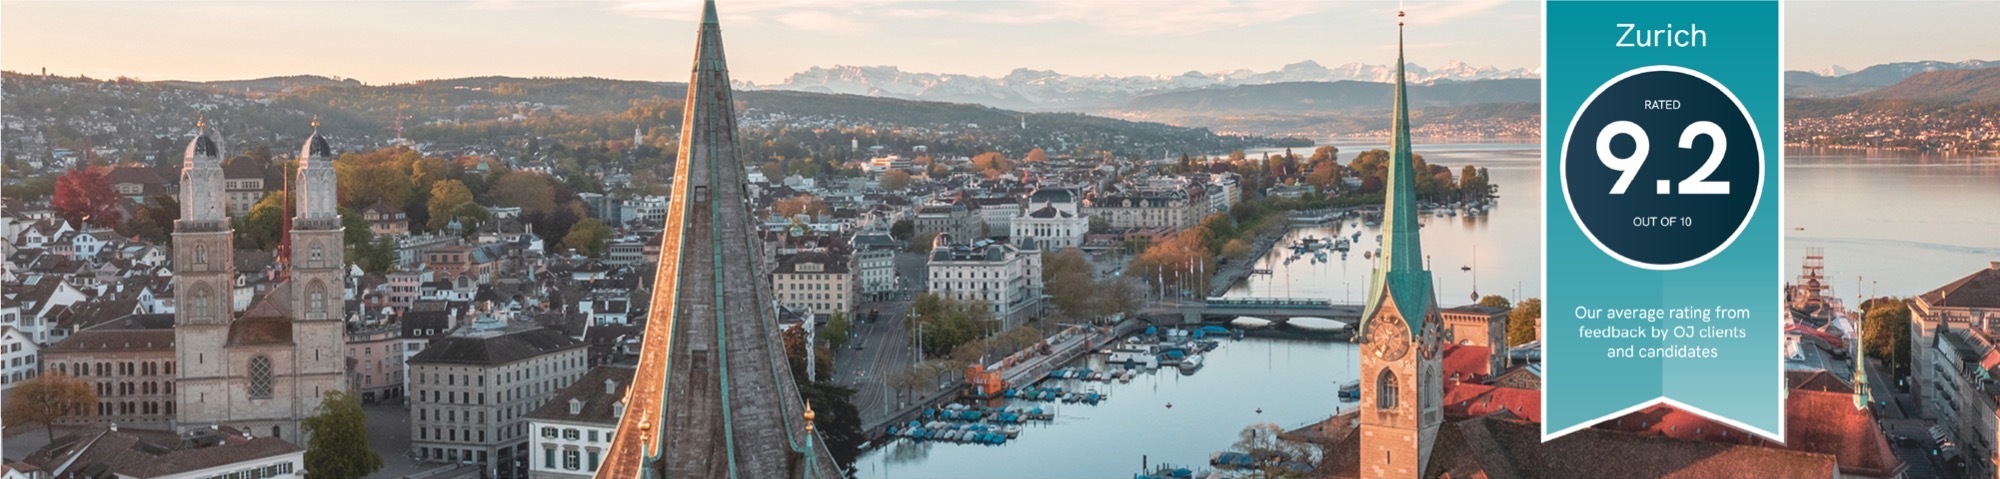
x=575, y=406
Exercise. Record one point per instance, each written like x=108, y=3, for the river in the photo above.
x=1905, y=222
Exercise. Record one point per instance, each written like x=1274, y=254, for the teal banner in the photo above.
x=1662, y=197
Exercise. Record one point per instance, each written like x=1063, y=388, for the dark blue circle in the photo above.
x=1678, y=100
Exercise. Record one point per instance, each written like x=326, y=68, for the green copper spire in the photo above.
x=1861, y=396
x=708, y=13
x=1399, y=271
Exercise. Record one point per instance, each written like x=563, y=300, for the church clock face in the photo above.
x=1431, y=342
x=1389, y=339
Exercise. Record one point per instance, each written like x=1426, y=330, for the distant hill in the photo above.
x=265, y=85
x=1334, y=97
x=1802, y=84
x=1949, y=86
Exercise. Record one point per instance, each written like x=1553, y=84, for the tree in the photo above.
x=1524, y=322
x=84, y=197
x=533, y=192
x=992, y=164
x=447, y=197
x=1264, y=443
x=896, y=180
x=922, y=242
x=1037, y=156
x=470, y=216
x=49, y=399
x=1099, y=225
x=382, y=175
x=902, y=229
x=153, y=221
x=801, y=204
x=1236, y=249
x=1495, y=301
x=264, y=227
x=588, y=236
x=836, y=331
x=1886, y=324
x=376, y=257
x=338, y=448
x=356, y=232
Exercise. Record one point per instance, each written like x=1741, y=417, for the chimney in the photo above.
x=1993, y=265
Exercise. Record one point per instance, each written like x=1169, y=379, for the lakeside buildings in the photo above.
x=1006, y=277
x=1954, y=363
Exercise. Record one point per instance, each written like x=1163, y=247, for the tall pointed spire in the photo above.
x=1860, y=354
x=1399, y=271
x=714, y=393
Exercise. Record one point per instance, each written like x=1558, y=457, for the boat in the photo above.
x=1190, y=364
x=1350, y=391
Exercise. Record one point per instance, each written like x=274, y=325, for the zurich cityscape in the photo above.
x=1172, y=239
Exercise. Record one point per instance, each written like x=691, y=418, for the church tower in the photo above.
x=204, y=288
x=714, y=396
x=1402, y=387
x=317, y=269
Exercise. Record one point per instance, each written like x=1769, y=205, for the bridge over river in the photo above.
x=1276, y=310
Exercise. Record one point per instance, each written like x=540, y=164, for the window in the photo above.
x=593, y=461
x=1385, y=390
x=570, y=434
x=549, y=459
x=316, y=302
x=198, y=305
x=571, y=460
x=260, y=377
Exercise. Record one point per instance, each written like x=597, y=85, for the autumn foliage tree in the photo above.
x=1525, y=322
x=84, y=197
x=48, y=399
x=801, y=204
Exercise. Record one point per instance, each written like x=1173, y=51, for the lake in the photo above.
x=1903, y=222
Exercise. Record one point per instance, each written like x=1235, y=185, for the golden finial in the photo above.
x=201, y=121
x=1399, y=13
x=809, y=416
x=315, y=123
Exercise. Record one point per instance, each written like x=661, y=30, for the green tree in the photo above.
x=338, y=448
x=1524, y=322
x=588, y=236
x=48, y=399
x=447, y=197
x=1886, y=324
x=836, y=331
x=356, y=231
x=470, y=216
x=533, y=192
x=264, y=227
x=376, y=257
x=922, y=242
x=1495, y=301
x=902, y=229
x=153, y=221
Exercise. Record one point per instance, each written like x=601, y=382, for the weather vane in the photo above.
x=1399, y=13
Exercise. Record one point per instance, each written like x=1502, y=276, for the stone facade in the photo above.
x=821, y=282
x=1006, y=277
x=470, y=391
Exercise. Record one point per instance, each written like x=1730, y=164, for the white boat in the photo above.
x=1191, y=363
x=1247, y=322
x=1135, y=357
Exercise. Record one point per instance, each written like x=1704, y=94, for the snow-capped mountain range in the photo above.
x=1042, y=90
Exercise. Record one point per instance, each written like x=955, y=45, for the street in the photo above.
x=881, y=348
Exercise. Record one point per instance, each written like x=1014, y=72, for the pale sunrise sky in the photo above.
x=390, y=42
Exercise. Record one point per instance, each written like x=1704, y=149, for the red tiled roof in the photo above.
x=1474, y=400
x=1466, y=362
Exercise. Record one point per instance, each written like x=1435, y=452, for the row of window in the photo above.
x=274, y=470
x=571, y=460
x=104, y=389
x=120, y=369
x=572, y=434
x=107, y=408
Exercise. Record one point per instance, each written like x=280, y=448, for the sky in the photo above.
x=379, y=42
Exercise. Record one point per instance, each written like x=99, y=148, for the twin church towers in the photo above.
x=267, y=368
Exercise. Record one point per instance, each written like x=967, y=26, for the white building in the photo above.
x=470, y=391
x=1006, y=277
x=1053, y=218
x=572, y=433
x=19, y=358
x=876, y=270
x=218, y=452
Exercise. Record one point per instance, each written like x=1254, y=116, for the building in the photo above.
x=713, y=311
x=375, y=362
x=574, y=430
x=243, y=180
x=470, y=391
x=1145, y=208
x=384, y=220
x=20, y=356
x=1952, y=355
x=219, y=452
x=129, y=363
x=822, y=282
x=950, y=218
x=1482, y=326
x=266, y=369
x=875, y=271
x=1007, y=278
x=1053, y=218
